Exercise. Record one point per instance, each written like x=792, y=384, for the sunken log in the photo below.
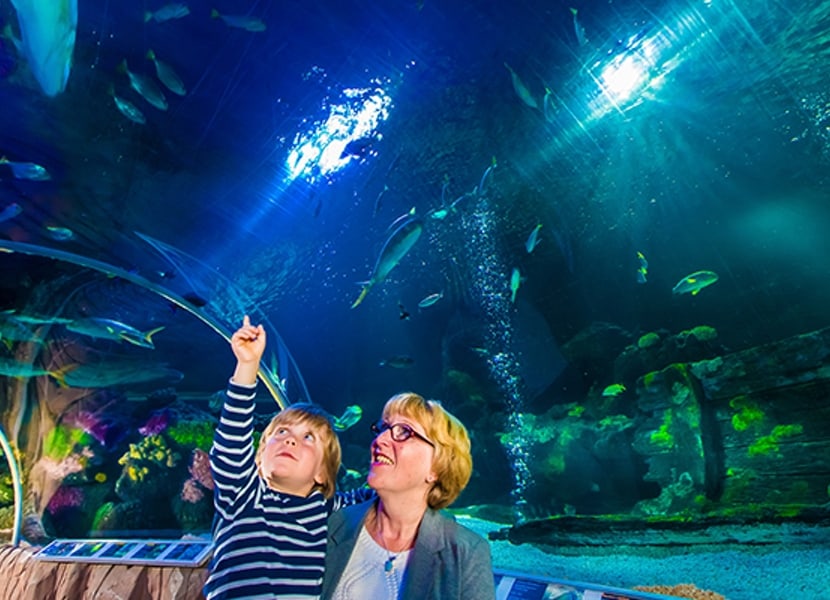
x=27, y=578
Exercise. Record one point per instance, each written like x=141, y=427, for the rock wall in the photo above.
x=25, y=578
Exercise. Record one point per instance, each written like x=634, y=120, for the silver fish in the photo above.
x=109, y=329
x=430, y=300
x=394, y=249
x=167, y=75
x=533, y=239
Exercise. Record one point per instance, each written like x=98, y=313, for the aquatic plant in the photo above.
x=748, y=413
x=663, y=437
x=87, y=422
x=576, y=411
x=103, y=516
x=648, y=340
x=704, y=333
x=192, y=434
x=61, y=441
x=65, y=497
x=157, y=423
x=768, y=444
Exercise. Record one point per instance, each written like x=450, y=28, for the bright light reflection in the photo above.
x=318, y=151
x=630, y=75
x=621, y=80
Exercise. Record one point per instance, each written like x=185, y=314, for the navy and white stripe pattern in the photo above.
x=266, y=543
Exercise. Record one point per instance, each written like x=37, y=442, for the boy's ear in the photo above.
x=320, y=475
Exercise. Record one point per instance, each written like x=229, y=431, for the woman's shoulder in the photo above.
x=453, y=529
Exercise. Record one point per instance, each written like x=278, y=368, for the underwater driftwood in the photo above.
x=25, y=578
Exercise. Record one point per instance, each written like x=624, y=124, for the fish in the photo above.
x=613, y=390
x=195, y=299
x=245, y=22
x=47, y=40
x=348, y=419
x=31, y=319
x=404, y=314
x=394, y=249
x=376, y=208
x=60, y=234
x=521, y=89
x=145, y=87
x=10, y=212
x=430, y=300
x=579, y=30
x=533, y=239
x=485, y=179
x=12, y=330
x=692, y=284
x=112, y=373
x=548, y=108
x=167, y=75
x=109, y=329
x=167, y=12
x=11, y=368
x=515, y=282
x=401, y=361
x=128, y=109
x=642, y=270
x=26, y=170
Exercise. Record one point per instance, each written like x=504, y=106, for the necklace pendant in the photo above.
x=388, y=566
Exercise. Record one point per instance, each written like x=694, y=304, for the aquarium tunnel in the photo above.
x=597, y=232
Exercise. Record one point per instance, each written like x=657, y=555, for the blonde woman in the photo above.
x=400, y=546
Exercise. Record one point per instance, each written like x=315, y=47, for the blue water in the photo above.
x=694, y=133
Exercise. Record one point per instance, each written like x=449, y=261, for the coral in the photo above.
x=192, y=491
x=61, y=441
x=648, y=340
x=200, y=468
x=157, y=423
x=193, y=434
x=682, y=590
x=65, y=497
x=152, y=450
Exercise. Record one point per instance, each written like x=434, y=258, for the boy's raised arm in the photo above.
x=232, y=454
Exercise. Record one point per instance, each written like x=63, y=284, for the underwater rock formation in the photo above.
x=744, y=435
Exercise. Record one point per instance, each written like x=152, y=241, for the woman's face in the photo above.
x=401, y=466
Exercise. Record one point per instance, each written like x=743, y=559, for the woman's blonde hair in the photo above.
x=452, y=462
x=320, y=423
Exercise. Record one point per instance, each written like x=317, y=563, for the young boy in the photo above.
x=271, y=508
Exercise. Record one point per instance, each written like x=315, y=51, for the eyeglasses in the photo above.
x=399, y=431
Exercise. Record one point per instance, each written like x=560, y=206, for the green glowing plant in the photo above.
x=768, y=444
x=748, y=413
x=663, y=437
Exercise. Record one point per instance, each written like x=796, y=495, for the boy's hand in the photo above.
x=248, y=344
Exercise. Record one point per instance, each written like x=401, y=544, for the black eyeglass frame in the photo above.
x=400, y=432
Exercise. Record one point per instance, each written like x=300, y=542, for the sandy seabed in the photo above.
x=799, y=572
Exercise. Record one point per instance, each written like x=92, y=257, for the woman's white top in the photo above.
x=366, y=575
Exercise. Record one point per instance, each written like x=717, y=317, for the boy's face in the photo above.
x=292, y=460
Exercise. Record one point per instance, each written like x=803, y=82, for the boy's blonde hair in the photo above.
x=453, y=461
x=320, y=423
